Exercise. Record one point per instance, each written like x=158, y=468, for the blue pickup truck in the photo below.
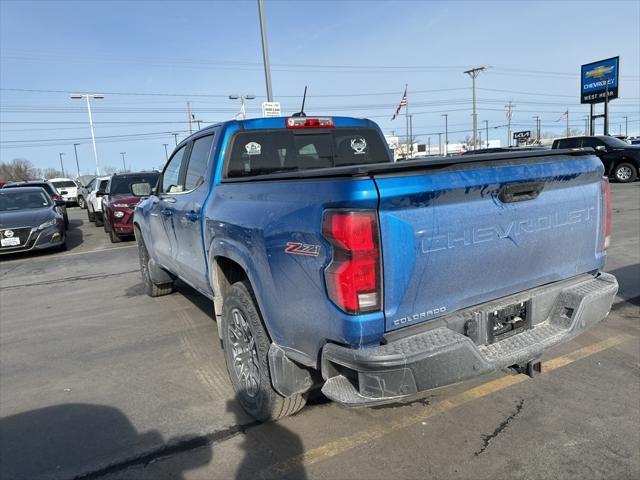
x=330, y=266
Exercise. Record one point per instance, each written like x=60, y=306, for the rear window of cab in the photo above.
x=262, y=152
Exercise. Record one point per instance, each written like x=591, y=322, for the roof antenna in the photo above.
x=301, y=112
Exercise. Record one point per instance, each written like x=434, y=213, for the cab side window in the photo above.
x=198, y=162
x=171, y=177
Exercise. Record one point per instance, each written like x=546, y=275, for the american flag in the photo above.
x=564, y=116
x=403, y=103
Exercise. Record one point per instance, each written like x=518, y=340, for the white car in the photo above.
x=66, y=185
x=94, y=203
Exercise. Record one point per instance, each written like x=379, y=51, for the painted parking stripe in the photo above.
x=341, y=445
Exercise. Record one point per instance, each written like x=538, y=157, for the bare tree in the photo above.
x=51, y=173
x=18, y=169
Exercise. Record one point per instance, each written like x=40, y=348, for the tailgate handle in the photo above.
x=519, y=192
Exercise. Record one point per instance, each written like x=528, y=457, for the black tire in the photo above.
x=106, y=225
x=257, y=396
x=113, y=236
x=81, y=203
x=98, y=219
x=91, y=215
x=66, y=221
x=625, y=172
x=152, y=289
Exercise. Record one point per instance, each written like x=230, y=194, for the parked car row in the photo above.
x=111, y=200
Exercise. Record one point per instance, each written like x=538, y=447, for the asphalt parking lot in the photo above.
x=97, y=380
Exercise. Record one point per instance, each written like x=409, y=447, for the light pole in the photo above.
x=473, y=73
x=242, y=114
x=486, y=126
x=61, y=164
x=446, y=133
x=265, y=51
x=166, y=152
x=439, y=143
x=124, y=167
x=175, y=137
x=75, y=149
x=87, y=96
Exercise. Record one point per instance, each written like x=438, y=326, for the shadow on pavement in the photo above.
x=79, y=441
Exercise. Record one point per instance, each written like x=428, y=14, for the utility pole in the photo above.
x=428, y=145
x=480, y=138
x=75, y=149
x=626, y=126
x=411, y=136
x=439, y=143
x=175, y=137
x=486, y=126
x=537, y=117
x=473, y=73
x=61, y=164
x=406, y=118
x=95, y=96
x=265, y=51
x=567, y=122
x=586, y=125
x=189, y=117
x=509, y=108
x=166, y=152
x=446, y=133
x=124, y=167
x=242, y=114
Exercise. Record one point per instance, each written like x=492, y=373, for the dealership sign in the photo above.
x=599, y=80
x=522, y=136
x=271, y=109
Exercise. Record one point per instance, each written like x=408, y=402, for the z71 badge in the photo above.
x=302, y=249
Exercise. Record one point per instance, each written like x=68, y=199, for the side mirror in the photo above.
x=142, y=189
x=101, y=193
x=60, y=203
x=63, y=192
x=601, y=148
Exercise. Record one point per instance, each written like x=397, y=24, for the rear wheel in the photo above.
x=246, y=346
x=625, y=172
x=152, y=289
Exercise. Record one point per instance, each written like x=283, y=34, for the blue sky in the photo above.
x=355, y=58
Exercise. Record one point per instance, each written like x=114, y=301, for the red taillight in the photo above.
x=305, y=122
x=606, y=211
x=55, y=198
x=353, y=276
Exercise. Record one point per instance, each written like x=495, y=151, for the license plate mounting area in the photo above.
x=508, y=321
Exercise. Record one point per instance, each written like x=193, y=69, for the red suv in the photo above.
x=120, y=199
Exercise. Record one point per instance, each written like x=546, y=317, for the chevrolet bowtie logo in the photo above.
x=599, y=72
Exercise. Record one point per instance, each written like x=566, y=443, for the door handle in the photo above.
x=168, y=199
x=167, y=212
x=192, y=216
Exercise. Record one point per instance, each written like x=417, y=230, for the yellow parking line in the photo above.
x=340, y=445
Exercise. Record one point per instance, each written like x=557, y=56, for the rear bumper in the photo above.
x=443, y=356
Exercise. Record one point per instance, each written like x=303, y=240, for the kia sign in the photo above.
x=271, y=109
x=522, y=136
x=599, y=80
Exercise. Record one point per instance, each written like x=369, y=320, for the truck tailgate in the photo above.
x=456, y=237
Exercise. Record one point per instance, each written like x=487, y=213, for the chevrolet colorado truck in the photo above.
x=330, y=266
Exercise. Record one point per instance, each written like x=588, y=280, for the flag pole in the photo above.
x=406, y=114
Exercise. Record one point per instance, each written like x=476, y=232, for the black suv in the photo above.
x=621, y=160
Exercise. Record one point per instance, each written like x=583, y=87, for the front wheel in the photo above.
x=246, y=345
x=81, y=203
x=625, y=172
x=152, y=289
x=113, y=236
